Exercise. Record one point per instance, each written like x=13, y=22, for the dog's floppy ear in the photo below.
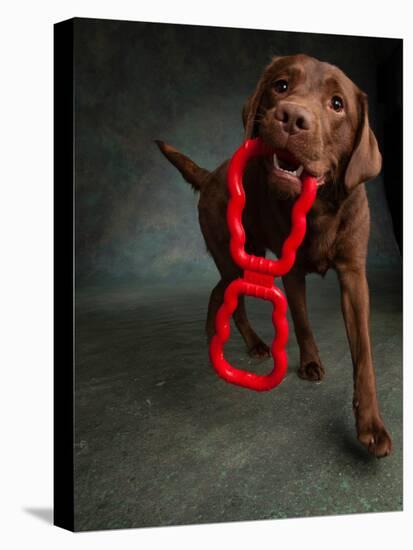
x=249, y=111
x=365, y=160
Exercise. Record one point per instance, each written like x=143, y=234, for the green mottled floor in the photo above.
x=160, y=440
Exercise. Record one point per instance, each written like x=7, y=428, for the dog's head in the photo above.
x=316, y=119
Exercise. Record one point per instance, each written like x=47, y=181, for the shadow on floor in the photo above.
x=45, y=514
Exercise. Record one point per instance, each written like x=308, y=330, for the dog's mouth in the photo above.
x=287, y=168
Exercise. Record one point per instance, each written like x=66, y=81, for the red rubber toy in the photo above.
x=259, y=273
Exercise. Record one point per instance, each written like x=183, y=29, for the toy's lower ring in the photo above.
x=224, y=369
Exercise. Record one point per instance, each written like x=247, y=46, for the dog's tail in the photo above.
x=192, y=173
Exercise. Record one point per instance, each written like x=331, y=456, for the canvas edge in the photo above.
x=64, y=283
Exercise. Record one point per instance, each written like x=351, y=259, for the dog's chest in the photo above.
x=316, y=254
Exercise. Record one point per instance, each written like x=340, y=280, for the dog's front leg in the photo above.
x=355, y=305
x=310, y=364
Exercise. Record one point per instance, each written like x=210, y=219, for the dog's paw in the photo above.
x=260, y=350
x=375, y=437
x=312, y=371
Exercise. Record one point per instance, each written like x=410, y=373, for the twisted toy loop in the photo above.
x=259, y=273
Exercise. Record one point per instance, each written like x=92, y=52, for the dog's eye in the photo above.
x=281, y=86
x=337, y=103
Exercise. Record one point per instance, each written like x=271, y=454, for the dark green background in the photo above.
x=136, y=219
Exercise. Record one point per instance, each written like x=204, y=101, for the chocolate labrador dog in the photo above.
x=316, y=119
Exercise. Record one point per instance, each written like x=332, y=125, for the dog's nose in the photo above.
x=293, y=117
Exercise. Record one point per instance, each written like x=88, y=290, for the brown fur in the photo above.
x=338, y=146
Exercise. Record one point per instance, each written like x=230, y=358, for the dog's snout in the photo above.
x=293, y=117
